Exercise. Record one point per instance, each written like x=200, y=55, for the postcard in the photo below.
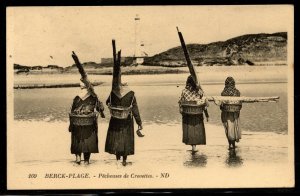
x=150, y=97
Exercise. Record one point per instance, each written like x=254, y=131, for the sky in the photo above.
x=36, y=33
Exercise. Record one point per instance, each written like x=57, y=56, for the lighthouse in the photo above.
x=139, y=54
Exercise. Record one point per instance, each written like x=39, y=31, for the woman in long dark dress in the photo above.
x=84, y=137
x=120, y=134
x=193, y=125
x=231, y=120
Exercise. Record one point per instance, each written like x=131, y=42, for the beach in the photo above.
x=40, y=141
x=260, y=156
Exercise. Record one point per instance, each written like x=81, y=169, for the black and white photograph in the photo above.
x=150, y=97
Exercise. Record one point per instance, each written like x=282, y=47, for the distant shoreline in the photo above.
x=207, y=76
x=139, y=70
x=66, y=85
x=38, y=86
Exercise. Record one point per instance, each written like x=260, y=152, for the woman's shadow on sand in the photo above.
x=233, y=160
x=195, y=160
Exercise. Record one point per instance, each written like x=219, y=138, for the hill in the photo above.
x=246, y=49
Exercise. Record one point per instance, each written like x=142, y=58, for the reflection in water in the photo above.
x=233, y=160
x=196, y=160
x=53, y=104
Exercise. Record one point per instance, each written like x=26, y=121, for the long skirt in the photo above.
x=84, y=139
x=120, y=137
x=193, y=130
x=231, y=123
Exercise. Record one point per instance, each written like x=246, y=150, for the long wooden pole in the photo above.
x=116, y=83
x=84, y=77
x=188, y=59
x=114, y=51
x=83, y=74
x=228, y=99
x=79, y=65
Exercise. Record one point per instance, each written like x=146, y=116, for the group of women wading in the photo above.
x=123, y=108
x=120, y=134
x=195, y=104
x=84, y=112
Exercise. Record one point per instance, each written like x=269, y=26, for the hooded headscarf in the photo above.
x=229, y=89
x=84, y=92
x=191, y=85
x=119, y=89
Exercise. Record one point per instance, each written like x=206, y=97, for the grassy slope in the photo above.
x=254, y=47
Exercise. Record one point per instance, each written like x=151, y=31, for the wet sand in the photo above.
x=262, y=159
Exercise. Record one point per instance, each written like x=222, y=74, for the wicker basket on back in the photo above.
x=232, y=107
x=120, y=112
x=83, y=119
x=191, y=107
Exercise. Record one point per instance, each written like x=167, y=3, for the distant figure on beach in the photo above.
x=192, y=122
x=123, y=108
x=231, y=113
x=83, y=124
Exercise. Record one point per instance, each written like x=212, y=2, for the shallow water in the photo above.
x=158, y=104
x=167, y=151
